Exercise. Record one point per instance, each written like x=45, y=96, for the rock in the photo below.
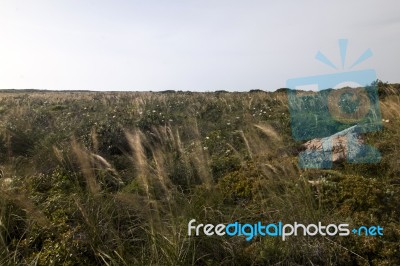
x=346, y=145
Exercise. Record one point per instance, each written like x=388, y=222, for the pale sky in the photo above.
x=198, y=45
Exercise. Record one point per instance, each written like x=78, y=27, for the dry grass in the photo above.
x=131, y=205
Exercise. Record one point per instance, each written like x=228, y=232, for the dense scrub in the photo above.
x=114, y=178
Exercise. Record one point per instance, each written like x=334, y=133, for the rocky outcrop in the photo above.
x=346, y=145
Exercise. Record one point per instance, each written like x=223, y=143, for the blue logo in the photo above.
x=335, y=108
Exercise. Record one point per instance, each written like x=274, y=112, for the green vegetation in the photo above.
x=114, y=178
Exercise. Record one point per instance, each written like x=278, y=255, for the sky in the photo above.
x=191, y=45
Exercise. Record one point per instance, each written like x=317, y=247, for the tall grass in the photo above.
x=213, y=157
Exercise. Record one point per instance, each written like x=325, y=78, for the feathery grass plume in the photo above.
x=145, y=179
x=85, y=163
x=199, y=157
x=249, y=103
x=249, y=152
x=58, y=154
x=161, y=173
x=84, y=214
x=95, y=140
x=269, y=131
x=183, y=156
x=140, y=161
x=7, y=137
x=108, y=175
x=281, y=97
x=169, y=243
x=390, y=108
